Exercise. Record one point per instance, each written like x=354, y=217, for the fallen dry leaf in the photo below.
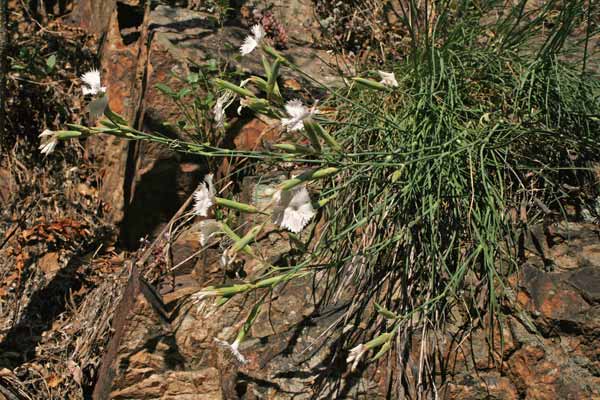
x=49, y=264
x=54, y=380
x=292, y=84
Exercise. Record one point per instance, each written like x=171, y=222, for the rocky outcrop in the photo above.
x=548, y=348
x=544, y=348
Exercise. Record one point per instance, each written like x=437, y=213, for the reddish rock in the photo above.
x=252, y=134
x=553, y=299
x=119, y=63
x=486, y=385
x=92, y=15
x=536, y=376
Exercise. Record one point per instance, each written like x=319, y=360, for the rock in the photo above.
x=564, y=245
x=176, y=385
x=119, y=63
x=142, y=344
x=482, y=351
x=552, y=297
x=590, y=255
x=133, y=189
x=134, y=173
x=224, y=44
x=285, y=348
x=180, y=20
x=543, y=371
x=92, y=15
x=536, y=376
x=587, y=282
x=486, y=385
x=185, y=249
x=253, y=133
x=298, y=19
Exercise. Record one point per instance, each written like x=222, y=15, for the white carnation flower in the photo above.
x=233, y=349
x=298, y=113
x=293, y=209
x=355, y=355
x=204, y=196
x=225, y=259
x=253, y=41
x=92, y=83
x=388, y=79
x=48, y=141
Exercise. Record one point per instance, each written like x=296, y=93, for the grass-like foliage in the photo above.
x=424, y=184
x=489, y=121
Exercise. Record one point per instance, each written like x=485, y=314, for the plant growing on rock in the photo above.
x=414, y=177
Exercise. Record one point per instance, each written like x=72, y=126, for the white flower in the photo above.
x=293, y=209
x=244, y=103
x=298, y=113
x=227, y=258
x=92, y=83
x=204, y=196
x=223, y=102
x=208, y=229
x=233, y=349
x=48, y=141
x=203, y=294
x=251, y=42
x=388, y=79
x=355, y=355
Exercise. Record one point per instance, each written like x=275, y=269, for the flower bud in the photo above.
x=64, y=135
x=294, y=148
x=320, y=131
x=248, y=237
x=247, y=208
x=370, y=83
x=234, y=88
x=309, y=176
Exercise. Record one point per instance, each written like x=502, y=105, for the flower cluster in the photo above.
x=272, y=26
x=92, y=86
x=290, y=208
x=293, y=208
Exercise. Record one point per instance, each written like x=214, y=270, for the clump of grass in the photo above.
x=488, y=119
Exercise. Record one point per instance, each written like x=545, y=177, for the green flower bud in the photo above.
x=247, y=208
x=309, y=176
x=234, y=88
x=370, y=83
